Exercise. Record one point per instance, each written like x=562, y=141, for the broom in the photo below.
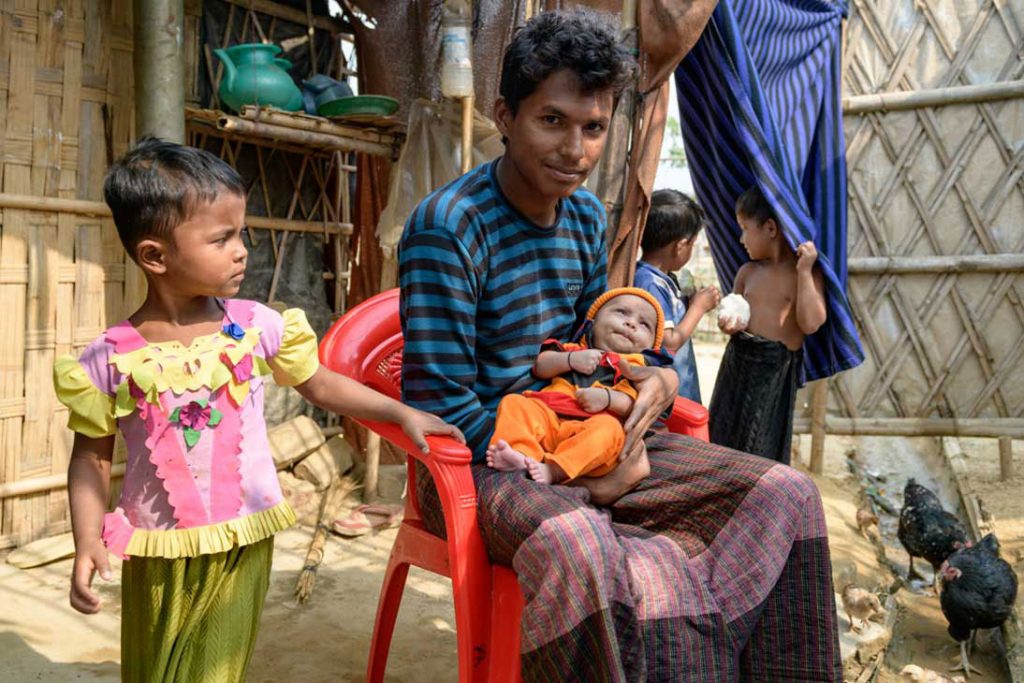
x=329, y=505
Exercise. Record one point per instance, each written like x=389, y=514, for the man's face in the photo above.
x=556, y=137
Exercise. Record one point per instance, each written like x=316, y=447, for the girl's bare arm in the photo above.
x=89, y=491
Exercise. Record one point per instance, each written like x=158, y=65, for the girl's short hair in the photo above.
x=578, y=40
x=673, y=216
x=157, y=185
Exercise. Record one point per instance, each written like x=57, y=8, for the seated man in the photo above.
x=704, y=564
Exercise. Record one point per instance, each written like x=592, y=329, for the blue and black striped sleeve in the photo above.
x=438, y=310
x=597, y=279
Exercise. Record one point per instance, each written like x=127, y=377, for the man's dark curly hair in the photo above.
x=579, y=40
x=673, y=216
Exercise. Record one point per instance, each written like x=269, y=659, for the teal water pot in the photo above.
x=253, y=74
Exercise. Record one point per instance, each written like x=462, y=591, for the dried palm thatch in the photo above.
x=329, y=506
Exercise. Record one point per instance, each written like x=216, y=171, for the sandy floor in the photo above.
x=327, y=639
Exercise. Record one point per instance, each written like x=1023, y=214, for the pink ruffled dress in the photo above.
x=199, y=475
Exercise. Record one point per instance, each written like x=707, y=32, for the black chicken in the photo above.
x=926, y=530
x=978, y=591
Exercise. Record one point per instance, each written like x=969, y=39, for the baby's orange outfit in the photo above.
x=550, y=426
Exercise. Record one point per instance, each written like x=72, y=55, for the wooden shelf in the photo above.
x=307, y=133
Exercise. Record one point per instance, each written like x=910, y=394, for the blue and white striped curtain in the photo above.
x=759, y=103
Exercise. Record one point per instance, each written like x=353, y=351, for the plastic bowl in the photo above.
x=359, y=105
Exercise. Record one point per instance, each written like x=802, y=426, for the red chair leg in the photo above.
x=506, y=615
x=387, y=612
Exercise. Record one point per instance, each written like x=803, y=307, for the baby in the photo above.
x=572, y=427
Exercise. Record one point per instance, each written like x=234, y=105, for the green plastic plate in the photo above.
x=359, y=105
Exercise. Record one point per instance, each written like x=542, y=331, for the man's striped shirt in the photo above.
x=482, y=288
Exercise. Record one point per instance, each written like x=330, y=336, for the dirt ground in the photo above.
x=327, y=639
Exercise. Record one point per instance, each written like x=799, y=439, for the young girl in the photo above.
x=182, y=379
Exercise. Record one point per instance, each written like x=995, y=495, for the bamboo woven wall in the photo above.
x=66, y=90
x=935, y=181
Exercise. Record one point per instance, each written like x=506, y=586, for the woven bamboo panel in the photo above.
x=66, y=94
x=935, y=181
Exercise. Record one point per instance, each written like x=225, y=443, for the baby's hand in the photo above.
x=806, y=255
x=706, y=299
x=416, y=424
x=89, y=559
x=594, y=399
x=584, y=362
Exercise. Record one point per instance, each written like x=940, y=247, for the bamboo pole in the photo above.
x=628, y=22
x=990, y=427
x=938, y=97
x=372, y=475
x=289, y=14
x=307, y=138
x=819, y=408
x=328, y=227
x=159, y=69
x=101, y=210
x=1005, y=458
x=54, y=205
x=960, y=263
x=25, y=487
x=467, y=133
x=316, y=124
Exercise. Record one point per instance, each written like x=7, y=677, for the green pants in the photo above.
x=193, y=619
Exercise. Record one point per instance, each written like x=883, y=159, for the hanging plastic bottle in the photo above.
x=456, y=51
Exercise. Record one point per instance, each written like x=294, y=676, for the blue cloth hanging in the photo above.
x=759, y=100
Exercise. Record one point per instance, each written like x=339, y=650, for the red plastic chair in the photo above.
x=366, y=345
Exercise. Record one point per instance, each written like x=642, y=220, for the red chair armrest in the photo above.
x=442, y=448
x=688, y=417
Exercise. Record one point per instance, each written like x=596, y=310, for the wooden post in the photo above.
x=819, y=406
x=467, y=133
x=372, y=467
x=160, y=69
x=1005, y=458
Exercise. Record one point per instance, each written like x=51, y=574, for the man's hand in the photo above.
x=89, y=560
x=633, y=468
x=656, y=390
x=584, y=362
x=806, y=255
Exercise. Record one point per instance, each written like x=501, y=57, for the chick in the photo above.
x=913, y=672
x=865, y=519
x=860, y=604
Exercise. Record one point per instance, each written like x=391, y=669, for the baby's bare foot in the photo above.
x=540, y=472
x=504, y=458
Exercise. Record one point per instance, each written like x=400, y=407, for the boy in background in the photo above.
x=752, y=405
x=671, y=230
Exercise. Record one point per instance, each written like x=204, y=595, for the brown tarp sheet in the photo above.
x=399, y=56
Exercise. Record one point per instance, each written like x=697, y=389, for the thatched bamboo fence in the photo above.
x=933, y=102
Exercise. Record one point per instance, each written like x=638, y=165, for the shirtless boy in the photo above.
x=752, y=405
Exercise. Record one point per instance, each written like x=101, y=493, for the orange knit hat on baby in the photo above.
x=635, y=291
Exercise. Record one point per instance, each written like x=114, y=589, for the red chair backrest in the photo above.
x=366, y=344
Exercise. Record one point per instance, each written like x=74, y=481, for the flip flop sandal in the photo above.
x=366, y=518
